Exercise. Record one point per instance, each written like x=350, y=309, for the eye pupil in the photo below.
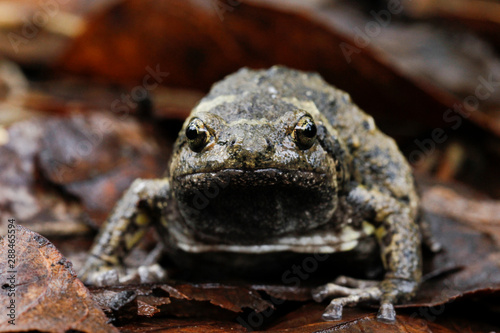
x=191, y=132
x=305, y=132
x=310, y=130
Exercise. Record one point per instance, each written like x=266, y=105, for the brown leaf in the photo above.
x=227, y=297
x=20, y=194
x=63, y=96
x=354, y=320
x=302, y=320
x=173, y=325
x=480, y=16
x=35, y=33
x=179, y=299
x=481, y=214
x=285, y=292
x=48, y=296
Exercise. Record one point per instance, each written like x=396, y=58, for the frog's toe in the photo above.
x=102, y=276
x=106, y=278
x=386, y=313
x=346, y=281
x=344, y=297
x=144, y=274
x=329, y=290
x=320, y=293
x=334, y=310
x=152, y=273
x=345, y=286
x=98, y=273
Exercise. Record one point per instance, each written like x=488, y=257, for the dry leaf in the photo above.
x=48, y=296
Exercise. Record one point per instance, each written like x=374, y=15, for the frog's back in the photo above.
x=375, y=160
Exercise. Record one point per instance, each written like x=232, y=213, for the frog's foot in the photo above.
x=143, y=274
x=113, y=275
x=350, y=292
x=344, y=296
x=98, y=272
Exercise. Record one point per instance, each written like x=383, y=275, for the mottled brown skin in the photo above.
x=276, y=160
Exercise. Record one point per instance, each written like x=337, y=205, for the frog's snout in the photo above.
x=249, y=144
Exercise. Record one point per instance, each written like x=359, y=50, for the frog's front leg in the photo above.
x=399, y=240
x=135, y=212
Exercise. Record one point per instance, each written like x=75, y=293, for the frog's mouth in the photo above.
x=248, y=207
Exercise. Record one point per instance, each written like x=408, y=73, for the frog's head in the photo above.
x=256, y=159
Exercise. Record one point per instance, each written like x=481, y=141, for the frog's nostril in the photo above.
x=232, y=142
x=269, y=144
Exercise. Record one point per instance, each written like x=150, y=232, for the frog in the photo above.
x=276, y=160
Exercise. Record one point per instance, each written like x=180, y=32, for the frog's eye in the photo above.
x=304, y=133
x=197, y=134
